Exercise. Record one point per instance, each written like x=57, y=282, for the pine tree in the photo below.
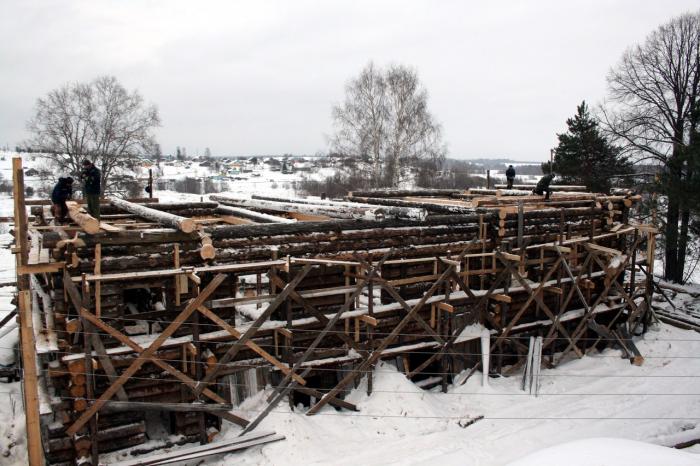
x=584, y=155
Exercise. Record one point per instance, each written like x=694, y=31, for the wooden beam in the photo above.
x=30, y=380
x=184, y=224
x=503, y=298
x=112, y=405
x=446, y=307
x=603, y=249
x=87, y=222
x=369, y=320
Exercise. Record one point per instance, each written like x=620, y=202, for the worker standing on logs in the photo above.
x=543, y=186
x=510, y=176
x=91, y=187
x=62, y=192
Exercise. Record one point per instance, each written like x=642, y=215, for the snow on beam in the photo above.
x=408, y=212
x=252, y=215
x=184, y=224
x=328, y=210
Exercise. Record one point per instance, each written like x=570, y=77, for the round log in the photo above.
x=186, y=225
x=87, y=222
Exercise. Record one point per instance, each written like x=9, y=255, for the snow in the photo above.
x=600, y=395
x=608, y=452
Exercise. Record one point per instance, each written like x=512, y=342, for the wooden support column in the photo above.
x=21, y=242
x=370, y=329
x=89, y=373
x=30, y=380
x=197, y=360
x=98, y=283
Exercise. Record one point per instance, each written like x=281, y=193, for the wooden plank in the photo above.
x=249, y=343
x=109, y=228
x=183, y=454
x=112, y=405
x=147, y=354
x=369, y=320
x=51, y=267
x=107, y=365
x=603, y=249
x=30, y=380
x=503, y=298
x=511, y=257
x=224, y=268
x=446, y=307
x=140, y=200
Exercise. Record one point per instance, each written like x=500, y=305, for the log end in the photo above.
x=207, y=252
x=188, y=225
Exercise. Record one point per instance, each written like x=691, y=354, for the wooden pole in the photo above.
x=20, y=221
x=30, y=379
x=150, y=183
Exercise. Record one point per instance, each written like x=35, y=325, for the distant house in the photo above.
x=31, y=172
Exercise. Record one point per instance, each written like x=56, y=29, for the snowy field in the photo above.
x=599, y=396
x=589, y=402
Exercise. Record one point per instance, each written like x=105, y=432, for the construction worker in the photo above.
x=91, y=187
x=62, y=192
x=510, y=176
x=543, y=186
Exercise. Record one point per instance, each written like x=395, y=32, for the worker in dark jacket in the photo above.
x=510, y=176
x=543, y=185
x=62, y=192
x=91, y=187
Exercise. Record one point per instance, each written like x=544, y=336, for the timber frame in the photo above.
x=307, y=296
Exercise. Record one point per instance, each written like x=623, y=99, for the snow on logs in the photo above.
x=333, y=210
x=184, y=224
x=258, y=217
x=207, y=251
x=427, y=205
x=87, y=222
x=405, y=193
x=385, y=209
x=553, y=187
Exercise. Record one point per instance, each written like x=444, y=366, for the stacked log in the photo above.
x=322, y=208
x=372, y=210
x=184, y=224
x=405, y=193
x=427, y=205
x=553, y=187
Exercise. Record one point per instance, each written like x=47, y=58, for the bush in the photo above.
x=29, y=191
x=337, y=185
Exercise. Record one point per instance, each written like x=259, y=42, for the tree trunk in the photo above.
x=683, y=243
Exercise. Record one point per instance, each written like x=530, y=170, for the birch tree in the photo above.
x=385, y=121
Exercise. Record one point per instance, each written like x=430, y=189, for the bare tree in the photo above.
x=653, y=110
x=99, y=120
x=385, y=121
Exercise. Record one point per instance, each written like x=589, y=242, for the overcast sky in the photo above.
x=260, y=77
